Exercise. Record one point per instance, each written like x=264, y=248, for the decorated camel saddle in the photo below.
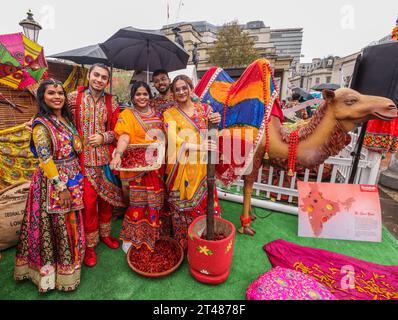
x=251, y=128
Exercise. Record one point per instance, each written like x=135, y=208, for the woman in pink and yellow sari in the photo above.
x=186, y=169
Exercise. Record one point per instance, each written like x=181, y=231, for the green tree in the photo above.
x=233, y=47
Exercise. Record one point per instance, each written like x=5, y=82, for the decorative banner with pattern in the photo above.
x=17, y=163
x=22, y=61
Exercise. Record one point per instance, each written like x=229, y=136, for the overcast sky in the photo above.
x=338, y=27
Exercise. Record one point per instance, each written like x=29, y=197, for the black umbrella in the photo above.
x=136, y=49
x=303, y=94
x=326, y=86
x=85, y=55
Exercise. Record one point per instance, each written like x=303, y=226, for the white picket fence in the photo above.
x=269, y=195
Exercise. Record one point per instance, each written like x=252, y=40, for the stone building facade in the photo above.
x=204, y=35
x=308, y=75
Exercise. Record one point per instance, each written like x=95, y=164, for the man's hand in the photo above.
x=95, y=140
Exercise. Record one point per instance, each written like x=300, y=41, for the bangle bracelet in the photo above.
x=119, y=153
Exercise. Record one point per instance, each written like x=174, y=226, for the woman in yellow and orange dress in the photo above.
x=140, y=124
x=186, y=168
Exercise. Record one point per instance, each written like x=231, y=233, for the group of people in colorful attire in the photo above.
x=80, y=140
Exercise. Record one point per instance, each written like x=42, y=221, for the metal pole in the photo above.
x=270, y=205
x=147, y=61
x=357, y=151
x=110, y=84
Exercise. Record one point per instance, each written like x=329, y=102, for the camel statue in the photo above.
x=252, y=104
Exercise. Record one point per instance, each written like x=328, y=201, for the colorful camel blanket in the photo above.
x=17, y=163
x=245, y=107
x=347, y=278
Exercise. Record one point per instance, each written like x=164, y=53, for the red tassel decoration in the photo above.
x=292, y=156
x=267, y=111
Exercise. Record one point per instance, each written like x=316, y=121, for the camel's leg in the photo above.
x=245, y=217
x=251, y=214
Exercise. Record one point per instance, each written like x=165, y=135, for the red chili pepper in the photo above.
x=162, y=259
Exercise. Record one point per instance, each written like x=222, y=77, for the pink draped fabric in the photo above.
x=347, y=278
x=15, y=45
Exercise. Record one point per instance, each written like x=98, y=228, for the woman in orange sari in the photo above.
x=140, y=124
x=187, y=146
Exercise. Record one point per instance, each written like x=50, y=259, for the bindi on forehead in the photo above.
x=55, y=88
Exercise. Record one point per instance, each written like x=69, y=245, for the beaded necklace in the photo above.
x=294, y=140
x=148, y=113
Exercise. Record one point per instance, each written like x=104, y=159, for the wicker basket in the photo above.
x=143, y=157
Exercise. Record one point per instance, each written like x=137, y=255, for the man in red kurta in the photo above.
x=95, y=114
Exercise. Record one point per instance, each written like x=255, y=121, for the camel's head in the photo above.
x=349, y=106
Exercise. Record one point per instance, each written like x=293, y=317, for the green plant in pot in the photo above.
x=210, y=238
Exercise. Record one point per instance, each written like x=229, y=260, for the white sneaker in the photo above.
x=126, y=246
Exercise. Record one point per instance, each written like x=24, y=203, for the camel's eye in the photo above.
x=350, y=101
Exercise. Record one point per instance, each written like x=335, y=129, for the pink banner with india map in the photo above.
x=339, y=211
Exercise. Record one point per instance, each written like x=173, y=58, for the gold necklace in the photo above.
x=145, y=113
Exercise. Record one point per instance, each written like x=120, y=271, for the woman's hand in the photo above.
x=208, y=145
x=28, y=125
x=66, y=198
x=214, y=117
x=116, y=161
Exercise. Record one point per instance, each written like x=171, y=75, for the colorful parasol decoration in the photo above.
x=22, y=61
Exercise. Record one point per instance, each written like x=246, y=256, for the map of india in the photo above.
x=320, y=209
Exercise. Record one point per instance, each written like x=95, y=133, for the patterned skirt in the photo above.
x=382, y=136
x=181, y=219
x=141, y=224
x=51, y=246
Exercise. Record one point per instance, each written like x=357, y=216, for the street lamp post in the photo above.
x=30, y=27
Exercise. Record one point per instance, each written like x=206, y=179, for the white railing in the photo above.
x=272, y=191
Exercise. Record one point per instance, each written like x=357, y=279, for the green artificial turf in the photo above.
x=112, y=278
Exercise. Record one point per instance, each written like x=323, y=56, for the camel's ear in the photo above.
x=328, y=95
